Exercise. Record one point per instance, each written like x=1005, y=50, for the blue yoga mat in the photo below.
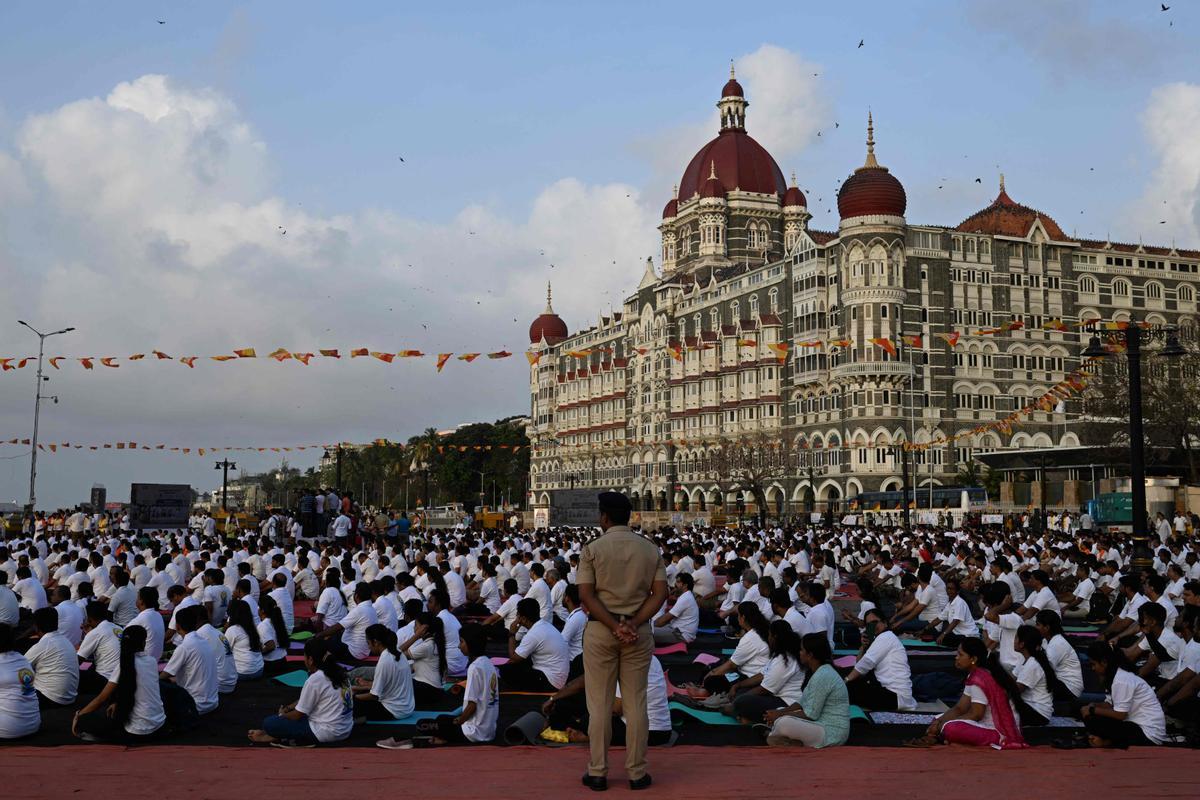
x=704, y=715
x=414, y=717
x=294, y=679
x=708, y=630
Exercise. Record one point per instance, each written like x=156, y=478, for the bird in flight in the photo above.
x=1165, y=7
x=401, y=159
x=979, y=180
x=164, y=22
x=860, y=42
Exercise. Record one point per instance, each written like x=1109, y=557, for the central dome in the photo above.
x=740, y=162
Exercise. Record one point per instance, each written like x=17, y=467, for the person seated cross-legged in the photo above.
x=540, y=662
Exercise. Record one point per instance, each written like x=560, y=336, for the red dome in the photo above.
x=871, y=191
x=741, y=163
x=671, y=208
x=794, y=197
x=1006, y=217
x=712, y=187
x=732, y=89
x=549, y=326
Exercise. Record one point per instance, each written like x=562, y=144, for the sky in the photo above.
x=435, y=166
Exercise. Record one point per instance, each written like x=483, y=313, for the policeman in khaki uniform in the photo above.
x=622, y=583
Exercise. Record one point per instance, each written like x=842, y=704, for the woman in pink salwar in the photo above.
x=984, y=716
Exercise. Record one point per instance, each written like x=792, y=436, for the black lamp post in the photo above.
x=1132, y=336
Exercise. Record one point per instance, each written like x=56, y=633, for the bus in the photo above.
x=949, y=498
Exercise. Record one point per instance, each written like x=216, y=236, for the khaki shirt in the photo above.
x=623, y=566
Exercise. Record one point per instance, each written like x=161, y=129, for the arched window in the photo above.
x=1087, y=285
x=753, y=306
x=1154, y=290
x=985, y=248
x=773, y=300
x=1120, y=288
x=956, y=244
x=735, y=309
x=1186, y=294
x=714, y=318
x=971, y=246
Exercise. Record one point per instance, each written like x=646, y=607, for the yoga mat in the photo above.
x=704, y=715
x=845, y=651
x=678, y=647
x=909, y=642
x=294, y=679
x=294, y=659
x=414, y=717
x=1084, y=634
x=708, y=630
x=858, y=713
x=302, y=636
x=526, y=729
x=1080, y=629
x=499, y=661
x=296, y=646
x=707, y=659
x=727, y=652
x=845, y=662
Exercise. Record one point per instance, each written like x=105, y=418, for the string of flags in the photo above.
x=54, y=447
x=675, y=349
x=280, y=355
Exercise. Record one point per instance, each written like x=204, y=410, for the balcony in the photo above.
x=866, y=368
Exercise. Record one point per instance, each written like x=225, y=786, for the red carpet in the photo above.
x=702, y=773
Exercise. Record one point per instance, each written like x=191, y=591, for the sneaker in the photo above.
x=87, y=737
x=715, y=701
x=395, y=744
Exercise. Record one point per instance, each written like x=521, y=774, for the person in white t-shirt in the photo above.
x=780, y=684
x=1131, y=713
x=1079, y=604
x=956, y=619
x=129, y=708
x=351, y=630
x=102, y=646
x=384, y=691
x=540, y=661
x=30, y=590
x=193, y=665
x=748, y=659
x=55, y=667
x=682, y=621
x=1034, y=678
x=573, y=628
x=19, y=712
x=241, y=632
x=881, y=679
x=567, y=715
x=325, y=711
x=273, y=636
x=1062, y=656
x=70, y=616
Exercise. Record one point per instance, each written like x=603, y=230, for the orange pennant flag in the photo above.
x=190, y=361
x=468, y=357
x=222, y=358
x=4, y=363
x=912, y=341
x=359, y=352
x=1055, y=325
x=780, y=349
x=120, y=445
x=87, y=363
x=246, y=352
x=676, y=351
x=137, y=356
x=54, y=361
x=747, y=343
x=811, y=343
x=950, y=338
x=21, y=364
x=161, y=355
x=500, y=354
x=411, y=354
x=641, y=351
x=442, y=359
x=108, y=362
x=885, y=344
x=303, y=358
x=385, y=357
x=840, y=342
x=529, y=354
x=331, y=353
x=280, y=354
x=53, y=448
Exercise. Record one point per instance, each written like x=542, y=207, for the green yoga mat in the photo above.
x=704, y=715
x=302, y=636
x=858, y=713
x=1080, y=628
x=909, y=642
x=414, y=717
x=294, y=679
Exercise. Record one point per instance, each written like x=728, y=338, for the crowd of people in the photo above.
x=143, y=633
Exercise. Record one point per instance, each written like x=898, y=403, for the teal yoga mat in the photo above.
x=704, y=715
x=414, y=717
x=294, y=679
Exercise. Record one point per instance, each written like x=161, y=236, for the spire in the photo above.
x=731, y=75
x=712, y=174
x=870, y=162
x=549, y=308
x=793, y=178
x=675, y=193
x=1002, y=182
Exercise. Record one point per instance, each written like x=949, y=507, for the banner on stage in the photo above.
x=159, y=505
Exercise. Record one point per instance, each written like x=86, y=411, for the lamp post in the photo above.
x=225, y=465
x=1131, y=336
x=37, y=407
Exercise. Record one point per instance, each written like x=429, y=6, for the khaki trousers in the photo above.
x=605, y=661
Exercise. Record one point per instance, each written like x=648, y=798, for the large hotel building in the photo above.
x=641, y=401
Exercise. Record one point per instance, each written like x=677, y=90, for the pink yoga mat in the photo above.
x=499, y=661
x=678, y=647
x=845, y=661
x=707, y=659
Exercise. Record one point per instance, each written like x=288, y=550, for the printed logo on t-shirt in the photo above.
x=25, y=678
x=347, y=700
x=224, y=641
x=494, y=691
x=118, y=632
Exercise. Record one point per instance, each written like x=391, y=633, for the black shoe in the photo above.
x=641, y=783
x=597, y=783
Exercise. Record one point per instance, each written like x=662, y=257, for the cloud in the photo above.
x=150, y=220
x=1170, y=120
x=1072, y=37
x=788, y=106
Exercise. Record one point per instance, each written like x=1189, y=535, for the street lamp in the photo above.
x=37, y=407
x=1131, y=336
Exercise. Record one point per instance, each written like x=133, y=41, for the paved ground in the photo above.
x=694, y=772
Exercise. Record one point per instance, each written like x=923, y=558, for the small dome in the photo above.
x=671, y=209
x=712, y=187
x=732, y=88
x=871, y=190
x=793, y=196
x=548, y=326
x=1006, y=217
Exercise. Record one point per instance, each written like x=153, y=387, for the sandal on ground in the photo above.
x=926, y=740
